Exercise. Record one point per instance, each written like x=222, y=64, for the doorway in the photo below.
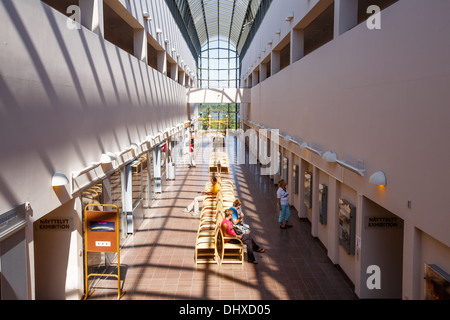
x=382, y=250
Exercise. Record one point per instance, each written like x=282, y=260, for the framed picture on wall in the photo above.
x=295, y=176
x=437, y=283
x=286, y=169
x=307, y=199
x=323, y=203
x=347, y=226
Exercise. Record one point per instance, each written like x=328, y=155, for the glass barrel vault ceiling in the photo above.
x=229, y=19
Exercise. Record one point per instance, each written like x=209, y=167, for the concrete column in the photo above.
x=411, y=262
x=345, y=16
x=333, y=219
x=162, y=62
x=174, y=71
x=92, y=15
x=262, y=72
x=255, y=78
x=275, y=62
x=291, y=185
x=315, y=203
x=302, y=212
x=181, y=77
x=140, y=44
x=297, y=44
x=187, y=81
x=360, y=274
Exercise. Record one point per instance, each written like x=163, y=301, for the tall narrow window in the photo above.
x=218, y=65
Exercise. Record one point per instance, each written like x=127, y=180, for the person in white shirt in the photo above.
x=283, y=205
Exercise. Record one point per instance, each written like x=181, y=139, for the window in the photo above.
x=117, y=30
x=364, y=4
x=218, y=65
x=219, y=116
x=61, y=5
x=285, y=56
x=320, y=31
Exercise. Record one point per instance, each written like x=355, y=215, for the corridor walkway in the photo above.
x=158, y=261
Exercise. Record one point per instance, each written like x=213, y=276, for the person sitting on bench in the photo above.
x=194, y=205
x=228, y=231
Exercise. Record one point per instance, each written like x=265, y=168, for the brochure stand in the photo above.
x=101, y=234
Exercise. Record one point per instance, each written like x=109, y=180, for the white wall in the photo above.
x=377, y=98
x=67, y=97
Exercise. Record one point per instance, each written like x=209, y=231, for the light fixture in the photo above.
x=295, y=142
x=147, y=16
x=278, y=31
x=76, y=174
x=158, y=31
x=378, y=178
x=304, y=145
x=270, y=42
x=329, y=156
x=59, y=180
x=134, y=148
x=107, y=158
x=167, y=41
x=290, y=16
x=351, y=168
x=318, y=152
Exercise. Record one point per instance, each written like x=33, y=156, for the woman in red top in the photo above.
x=228, y=231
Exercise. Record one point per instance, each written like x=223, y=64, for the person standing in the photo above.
x=283, y=205
x=191, y=155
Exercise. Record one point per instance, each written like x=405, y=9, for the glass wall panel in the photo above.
x=218, y=65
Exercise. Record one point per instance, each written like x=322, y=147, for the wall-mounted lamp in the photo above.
x=270, y=42
x=278, y=31
x=295, y=142
x=76, y=174
x=107, y=158
x=147, y=16
x=59, y=180
x=287, y=138
x=378, y=178
x=290, y=16
x=167, y=41
x=329, y=156
x=351, y=168
x=158, y=31
x=305, y=145
x=318, y=152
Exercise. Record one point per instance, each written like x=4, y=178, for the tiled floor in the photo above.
x=157, y=262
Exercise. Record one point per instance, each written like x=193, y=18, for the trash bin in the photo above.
x=171, y=171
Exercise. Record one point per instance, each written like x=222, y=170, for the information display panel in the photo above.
x=101, y=230
x=101, y=234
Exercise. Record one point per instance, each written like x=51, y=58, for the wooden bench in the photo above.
x=218, y=162
x=230, y=252
x=210, y=245
x=206, y=241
